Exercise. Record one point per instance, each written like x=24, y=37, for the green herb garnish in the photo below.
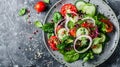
x=38, y=24
x=48, y=27
x=47, y=1
x=22, y=11
x=56, y=17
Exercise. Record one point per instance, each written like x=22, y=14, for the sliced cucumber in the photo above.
x=62, y=33
x=103, y=37
x=97, y=49
x=79, y=5
x=89, y=9
x=96, y=40
x=92, y=20
x=82, y=31
x=74, y=19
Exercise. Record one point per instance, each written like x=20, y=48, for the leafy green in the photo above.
x=87, y=56
x=38, y=24
x=85, y=59
x=62, y=51
x=103, y=28
x=57, y=16
x=50, y=34
x=101, y=16
x=100, y=24
x=48, y=27
x=61, y=46
x=69, y=14
x=22, y=11
x=82, y=55
x=71, y=56
x=65, y=43
x=67, y=39
x=84, y=41
x=80, y=21
x=70, y=24
x=47, y=1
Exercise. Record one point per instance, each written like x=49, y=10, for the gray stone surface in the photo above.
x=16, y=47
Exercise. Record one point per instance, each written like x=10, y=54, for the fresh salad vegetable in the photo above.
x=77, y=31
x=46, y=1
x=22, y=11
x=56, y=17
x=67, y=8
x=40, y=6
x=38, y=24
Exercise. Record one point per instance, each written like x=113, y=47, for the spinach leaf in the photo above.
x=66, y=42
x=89, y=55
x=71, y=56
x=50, y=34
x=61, y=46
x=70, y=24
x=67, y=39
x=100, y=24
x=48, y=27
x=80, y=21
x=62, y=51
x=101, y=16
x=56, y=17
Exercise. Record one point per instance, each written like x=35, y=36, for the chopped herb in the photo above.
x=38, y=24
x=22, y=11
x=48, y=27
x=47, y=1
x=57, y=16
x=70, y=24
x=50, y=34
x=71, y=56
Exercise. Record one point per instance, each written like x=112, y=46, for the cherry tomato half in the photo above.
x=72, y=32
x=109, y=26
x=53, y=42
x=85, y=24
x=40, y=6
x=68, y=7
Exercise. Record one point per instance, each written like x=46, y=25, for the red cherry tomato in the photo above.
x=72, y=32
x=85, y=24
x=40, y=6
x=53, y=42
x=68, y=7
x=109, y=26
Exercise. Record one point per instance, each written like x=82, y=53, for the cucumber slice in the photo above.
x=96, y=40
x=103, y=37
x=62, y=33
x=97, y=49
x=82, y=31
x=90, y=19
x=79, y=5
x=89, y=9
x=74, y=19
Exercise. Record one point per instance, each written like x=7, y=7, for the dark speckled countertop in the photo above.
x=19, y=47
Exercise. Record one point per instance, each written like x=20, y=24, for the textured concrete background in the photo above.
x=20, y=47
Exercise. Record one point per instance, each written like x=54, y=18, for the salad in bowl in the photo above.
x=78, y=31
